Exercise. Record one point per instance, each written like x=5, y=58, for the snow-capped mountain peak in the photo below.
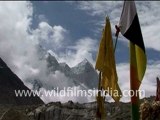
x=52, y=62
x=83, y=66
x=84, y=62
x=83, y=74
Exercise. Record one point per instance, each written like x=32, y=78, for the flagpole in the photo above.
x=133, y=85
x=115, y=44
x=100, y=107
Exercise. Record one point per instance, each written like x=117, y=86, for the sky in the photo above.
x=72, y=31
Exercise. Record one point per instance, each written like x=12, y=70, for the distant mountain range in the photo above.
x=83, y=74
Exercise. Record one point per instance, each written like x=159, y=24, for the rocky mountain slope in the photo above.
x=85, y=74
x=9, y=82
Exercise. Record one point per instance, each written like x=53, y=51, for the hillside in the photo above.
x=9, y=82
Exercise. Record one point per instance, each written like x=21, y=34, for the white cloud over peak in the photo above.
x=82, y=49
x=56, y=38
x=53, y=37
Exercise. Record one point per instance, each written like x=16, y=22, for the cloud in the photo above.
x=52, y=37
x=42, y=18
x=99, y=8
x=82, y=49
x=149, y=80
x=148, y=13
x=20, y=43
x=16, y=45
x=102, y=9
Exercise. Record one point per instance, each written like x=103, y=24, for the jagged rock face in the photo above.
x=76, y=111
x=85, y=111
x=150, y=111
x=52, y=63
x=67, y=111
x=86, y=74
x=36, y=84
x=64, y=68
x=9, y=82
x=12, y=114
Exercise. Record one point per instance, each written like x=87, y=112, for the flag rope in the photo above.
x=117, y=34
x=115, y=44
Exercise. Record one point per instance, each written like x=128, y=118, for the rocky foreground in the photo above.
x=77, y=111
x=65, y=111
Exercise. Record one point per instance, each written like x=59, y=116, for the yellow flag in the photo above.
x=105, y=63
